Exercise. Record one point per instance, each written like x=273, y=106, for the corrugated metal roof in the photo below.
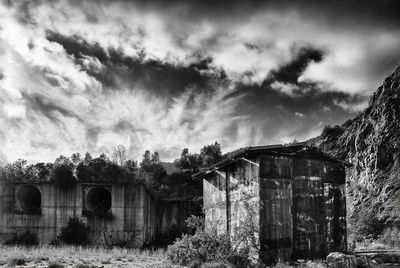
x=282, y=149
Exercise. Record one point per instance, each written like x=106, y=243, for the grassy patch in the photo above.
x=83, y=257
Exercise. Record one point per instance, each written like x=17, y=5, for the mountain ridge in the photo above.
x=371, y=142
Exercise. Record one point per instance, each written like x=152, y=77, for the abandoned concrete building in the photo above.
x=117, y=212
x=299, y=196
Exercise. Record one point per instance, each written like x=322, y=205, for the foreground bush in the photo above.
x=369, y=225
x=203, y=247
x=75, y=233
x=24, y=239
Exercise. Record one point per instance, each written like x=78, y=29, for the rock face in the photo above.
x=371, y=142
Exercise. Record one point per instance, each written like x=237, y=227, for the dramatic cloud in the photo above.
x=82, y=76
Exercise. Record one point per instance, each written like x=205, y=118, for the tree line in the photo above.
x=66, y=171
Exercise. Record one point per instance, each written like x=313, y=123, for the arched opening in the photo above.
x=29, y=199
x=99, y=201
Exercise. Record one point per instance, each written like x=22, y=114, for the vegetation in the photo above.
x=71, y=256
x=240, y=249
x=67, y=171
x=368, y=224
x=24, y=239
x=75, y=233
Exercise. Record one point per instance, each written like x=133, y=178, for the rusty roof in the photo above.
x=291, y=149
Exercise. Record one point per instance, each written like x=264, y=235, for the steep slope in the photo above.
x=371, y=142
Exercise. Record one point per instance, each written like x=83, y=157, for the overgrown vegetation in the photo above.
x=75, y=233
x=368, y=224
x=201, y=247
x=72, y=256
x=24, y=239
x=240, y=249
x=67, y=171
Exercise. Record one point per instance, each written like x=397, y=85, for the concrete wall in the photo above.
x=172, y=214
x=214, y=202
x=132, y=209
x=276, y=220
x=244, y=202
x=301, y=199
x=303, y=215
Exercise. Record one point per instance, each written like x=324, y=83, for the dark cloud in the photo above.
x=353, y=13
x=289, y=73
x=127, y=126
x=120, y=71
x=40, y=103
x=256, y=101
x=306, y=103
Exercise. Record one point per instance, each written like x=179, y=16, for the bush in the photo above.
x=55, y=265
x=199, y=247
x=17, y=261
x=206, y=247
x=368, y=224
x=24, y=239
x=75, y=233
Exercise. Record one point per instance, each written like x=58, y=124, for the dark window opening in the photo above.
x=99, y=201
x=29, y=199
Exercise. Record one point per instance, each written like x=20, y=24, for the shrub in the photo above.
x=24, y=239
x=199, y=247
x=63, y=176
x=86, y=266
x=333, y=131
x=55, y=265
x=369, y=224
x=75, y=233
x=17, y=261
x=206, y=247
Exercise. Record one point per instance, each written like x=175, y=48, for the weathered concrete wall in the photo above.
x=244, y=201
x=172, y=215
x=276, y=223
x=335, y=215
x=308, y=208
x=214, y=202
x=131, y=221
x=301, y=203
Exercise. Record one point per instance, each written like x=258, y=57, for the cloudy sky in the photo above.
x=79, y=76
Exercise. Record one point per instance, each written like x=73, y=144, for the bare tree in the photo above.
x=119, y=155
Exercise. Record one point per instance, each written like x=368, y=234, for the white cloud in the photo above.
x=50, y=106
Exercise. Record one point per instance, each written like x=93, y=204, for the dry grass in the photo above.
x=305, y=264
x=68, y=256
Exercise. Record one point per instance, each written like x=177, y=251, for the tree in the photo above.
x=104, y=157
x=155, y=158
x=16, y=170
x=88, y=158
x=62, y=172
x=188, y=162
x=119, y=155
x=146, y=163
x=62, y=160
x=130, y=165
x=76, y=158
x=211, y=154
x=38, y=171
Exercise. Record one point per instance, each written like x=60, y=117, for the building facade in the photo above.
x=293, y=196
x=117, y=213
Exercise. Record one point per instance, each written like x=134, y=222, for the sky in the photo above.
x=79, y=76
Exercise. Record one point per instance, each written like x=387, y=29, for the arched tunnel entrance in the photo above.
x=29, y=199
x=99, y=201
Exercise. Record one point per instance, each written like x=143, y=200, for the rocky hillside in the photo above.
x=371, y=142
